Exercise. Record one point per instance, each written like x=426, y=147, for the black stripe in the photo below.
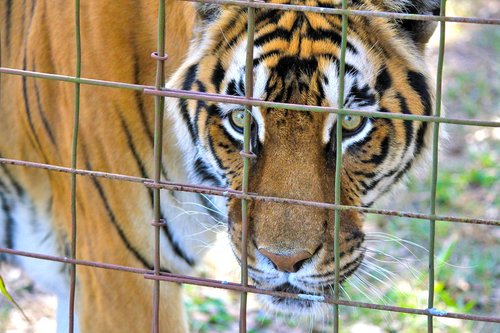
x=175, y=246
x=330, y=35
x=354, y=182
x=212, y=209
x=359, y=97
x=8, y=22
x=144, y=174
x=231, y=88
x=421, y=137
x=140, y=102
x=36, y=143
x=383, y=82
x=9, y=222
x=218, y=75
x=408, y=124
x=384, y=151
x=3, y=186
x=203, y=171
x=419, y=83
x=230, y=43
x=112, y=216
x=42, y=114
x=132, y=148
x=17, y=187
x=374, y=183
x=187, y=85
x=142, y=112
x=265, y=17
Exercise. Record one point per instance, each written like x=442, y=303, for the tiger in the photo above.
x=295, y=60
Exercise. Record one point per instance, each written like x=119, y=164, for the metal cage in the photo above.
x=159, y=92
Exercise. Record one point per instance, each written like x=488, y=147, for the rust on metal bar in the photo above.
x=149, y=274
x=150, y=90
x=323, y=299
x=310, y=108
x=160, y=57
x=366, y=13
x=230, y=193
x=65, y=78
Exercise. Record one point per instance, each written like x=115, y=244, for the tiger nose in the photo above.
x=287, y=263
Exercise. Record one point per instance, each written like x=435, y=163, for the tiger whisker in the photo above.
x=353, y=284
x=414, y=272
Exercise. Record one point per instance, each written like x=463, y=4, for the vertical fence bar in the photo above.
x=338, y=166
x=435, y=160
x=158, y=139
x=247, y=152
x=74, y=147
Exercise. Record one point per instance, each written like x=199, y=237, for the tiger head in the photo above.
x=296, y=60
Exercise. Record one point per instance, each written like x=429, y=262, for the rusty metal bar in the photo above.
x=366, y=13
x=229, y=193
x=309, y=108
x=246, y=101
x=338, y=166
x=149, y=274
x=435, y=160
x=245, y=154
x=65, y=78
x=160, y=57
x=74, y=155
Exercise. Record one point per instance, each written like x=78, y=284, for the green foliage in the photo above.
x=207, y=314
x=5, y=293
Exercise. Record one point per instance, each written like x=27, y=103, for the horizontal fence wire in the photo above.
x=169, y=277
x=187, y=94
x=149, y=274
x=159, y=93
x=351, y=12
x=310, y=108
x=230, y=193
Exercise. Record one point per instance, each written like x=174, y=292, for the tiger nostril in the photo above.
x=299, y=264
x=287, y=263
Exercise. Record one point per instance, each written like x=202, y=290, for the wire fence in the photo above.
x=156, y=185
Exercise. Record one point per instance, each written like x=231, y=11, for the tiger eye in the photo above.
x=351, y=123
x=238, y=120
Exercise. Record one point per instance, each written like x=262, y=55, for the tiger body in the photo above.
x=295, y=61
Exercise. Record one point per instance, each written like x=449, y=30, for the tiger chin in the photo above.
x=296, y=60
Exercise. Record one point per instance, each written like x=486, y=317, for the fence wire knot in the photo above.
x=155, y=55
x=160, y=223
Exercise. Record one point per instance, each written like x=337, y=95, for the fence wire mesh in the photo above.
x=156, y=185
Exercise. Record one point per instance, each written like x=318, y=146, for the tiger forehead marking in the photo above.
x=304, y=70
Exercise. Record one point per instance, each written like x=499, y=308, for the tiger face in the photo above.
x=296, y=60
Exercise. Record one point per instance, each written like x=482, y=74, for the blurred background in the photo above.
x=467, y=256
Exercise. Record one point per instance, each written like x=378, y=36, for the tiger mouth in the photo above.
x=308, y=301
x=287, y=304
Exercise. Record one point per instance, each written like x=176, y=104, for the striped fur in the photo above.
x=295, y=61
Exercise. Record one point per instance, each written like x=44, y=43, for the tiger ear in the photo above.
x=419, y=31
x=207, y=13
